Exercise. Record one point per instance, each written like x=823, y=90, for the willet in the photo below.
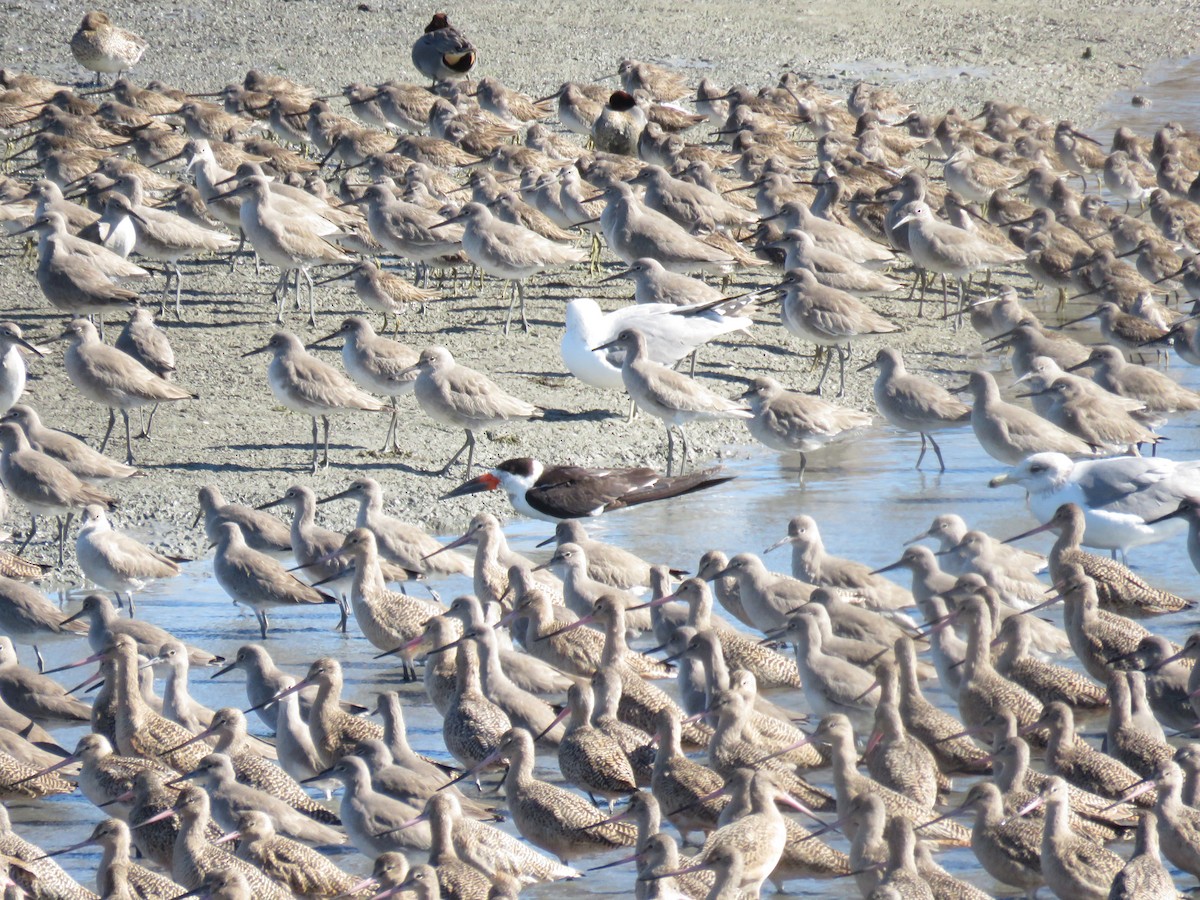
x=104, y=622
x=1010, y=433
x=1094, y=418
x=831, y=684
x=1121, y=497
x=101, y=47
x=36, y=697
x=257, y=580
x=334, y=731
x=912, y=403
x=289, y=242
x=372, y=820
x=828, y=317
x=374, y=363
x=633, y=231
x=460, y=397
x=43, y=484
x=1156, y=391
x=75, y=281
x=177, y=703
x=1140, y=749
x=116, y=561
x=668, y=395
x=509, y=252
x=652, y=283
x=811, y=563
x=305, y=384
x=261, y=531
x=111, y=378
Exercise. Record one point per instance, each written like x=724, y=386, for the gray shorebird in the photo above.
x=912, y=403
x=43, y=484
x=114, y=379
x=258, y=580
x=669, y=396
x=460, y=397
x=305, y=384
x=117, y=561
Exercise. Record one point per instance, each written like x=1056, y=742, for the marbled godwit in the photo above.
x=398, y=542
x=1008, y=847
x=104, y=776
x=733, y=747
x=473, y=726
x=87, y=464
x=895, y=758
x=1046, y=681
x=849, y=783
x=1118, y=589
x=588, y=758
x=548, y=816
x=115, y=866
x=912, y=403
x=984, y=692
x=687, y=791
x=1096, y=636
x=387, y=619
x=258, y=580
x=938, y=730
x=20, y=781
x=305, y=384
x=1144, y=876
x=101, y=47
x=901, y=879
x=608, y=686
x=640, y=701
x=301, y=869
x=1070, y=757
x=261, y=531
x=1072, y=865
x=334, y=731
x=811, y=563
x=194, y=858
x=36, y=697
x=864, y=821
x=40, y=876
x=1139, y=749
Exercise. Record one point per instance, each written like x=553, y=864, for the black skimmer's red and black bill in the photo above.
x=575, y=492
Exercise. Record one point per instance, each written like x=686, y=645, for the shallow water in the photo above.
x=864, y=494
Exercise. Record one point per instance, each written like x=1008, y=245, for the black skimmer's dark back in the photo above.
x=574, y=492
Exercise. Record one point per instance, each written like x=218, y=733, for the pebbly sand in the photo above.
x=936, y=54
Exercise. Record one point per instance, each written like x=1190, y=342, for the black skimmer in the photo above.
x=574, y=492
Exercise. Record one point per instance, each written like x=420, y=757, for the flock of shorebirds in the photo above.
x=838, y=196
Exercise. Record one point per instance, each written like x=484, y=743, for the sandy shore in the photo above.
x=937, y=55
